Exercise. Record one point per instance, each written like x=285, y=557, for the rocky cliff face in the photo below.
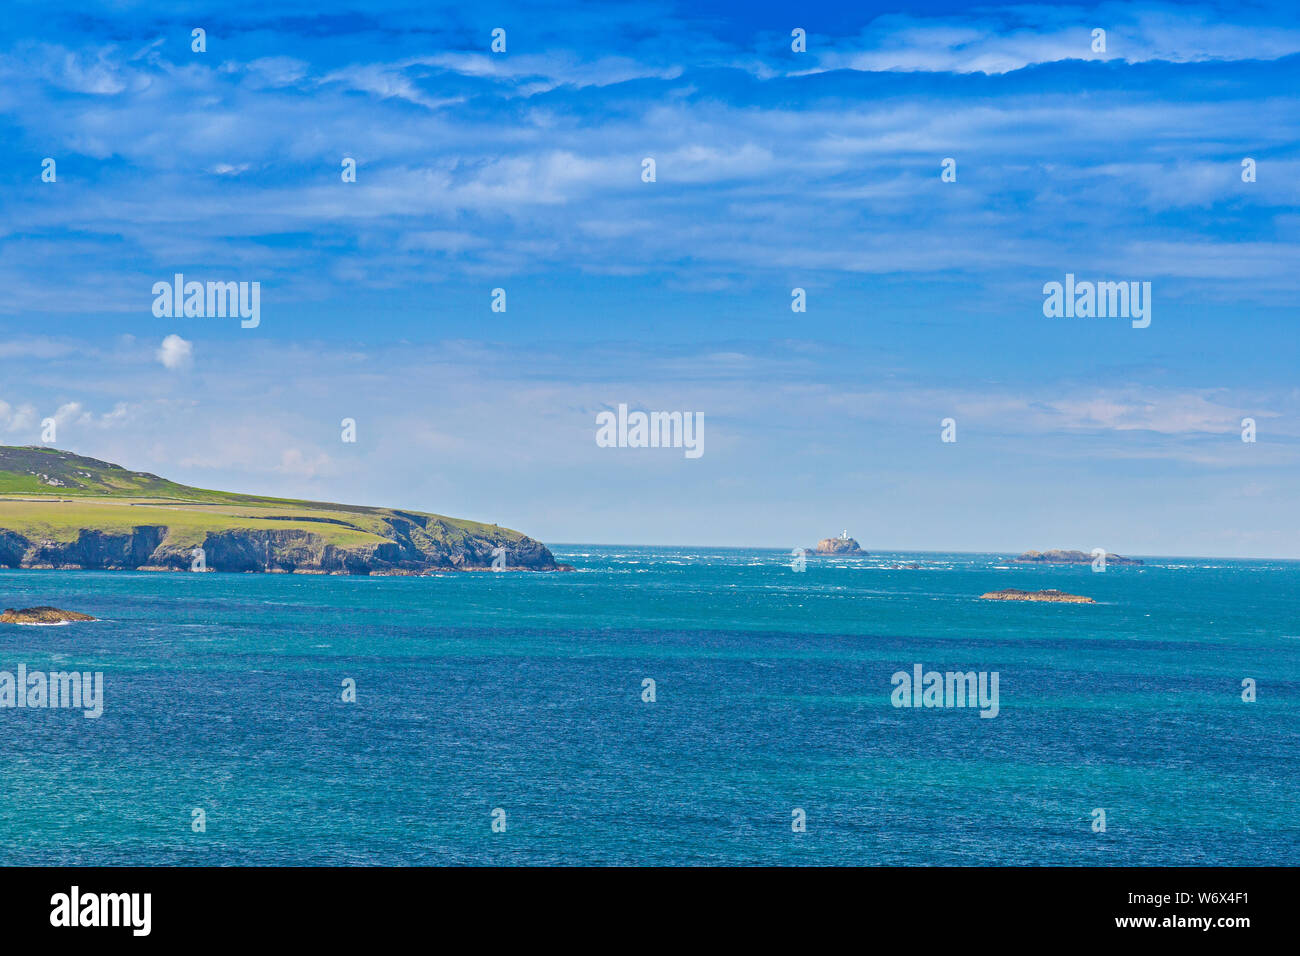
x=82, y=526
x=414, y=550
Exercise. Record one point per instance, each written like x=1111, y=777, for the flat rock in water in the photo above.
x=1057, y=556
x=1051, y=595
x=41, y=615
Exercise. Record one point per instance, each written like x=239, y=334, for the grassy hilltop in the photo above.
x=58, y=509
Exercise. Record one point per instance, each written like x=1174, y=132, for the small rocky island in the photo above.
x=42, y=615
x=841, y=547
x=1069, y=557
x=1052, y=595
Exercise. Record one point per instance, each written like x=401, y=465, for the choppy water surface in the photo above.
x=524, y=692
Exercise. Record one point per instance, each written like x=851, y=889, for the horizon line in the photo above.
x=869, y=553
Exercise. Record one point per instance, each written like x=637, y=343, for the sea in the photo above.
x=662, y=706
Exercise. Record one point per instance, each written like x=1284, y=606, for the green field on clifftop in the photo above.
x=55, y=495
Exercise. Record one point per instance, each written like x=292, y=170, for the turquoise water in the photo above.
x=524, y=692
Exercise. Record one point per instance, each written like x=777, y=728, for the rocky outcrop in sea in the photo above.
x=1050, y=595
x=1069, y=557
x=839, y=547
x=42, y=615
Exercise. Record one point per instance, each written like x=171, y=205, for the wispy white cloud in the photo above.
x=1002, y=40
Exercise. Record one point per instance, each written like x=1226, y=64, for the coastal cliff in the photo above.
x=64, y=511
x=147, y=548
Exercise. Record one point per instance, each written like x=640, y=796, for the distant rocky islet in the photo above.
x=841, y=547
x=1057, y=556
x=845, y=546
x=42, y=615
x=1050, y=595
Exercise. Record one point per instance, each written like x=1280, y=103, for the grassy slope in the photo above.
x=63, y=520
x=95, y=494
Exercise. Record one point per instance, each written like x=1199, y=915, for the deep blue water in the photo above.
x=523, y=692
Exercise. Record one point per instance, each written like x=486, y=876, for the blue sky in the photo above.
x=774, y=170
